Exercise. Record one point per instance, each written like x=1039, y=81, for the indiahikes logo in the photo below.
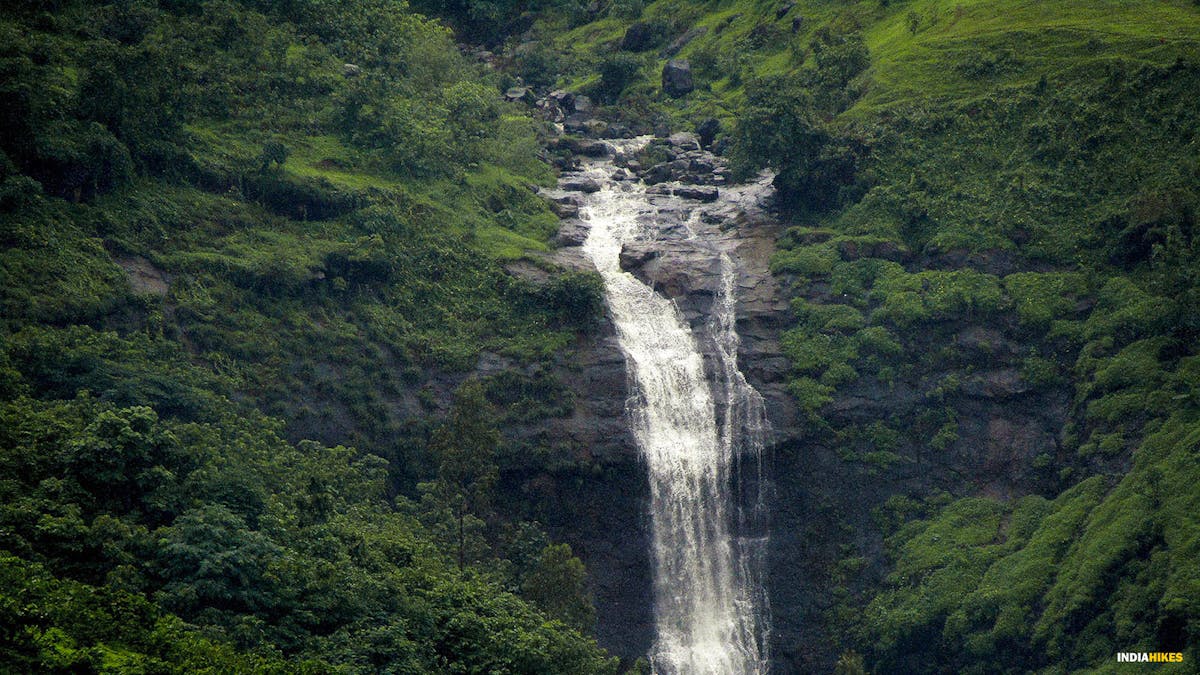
x=1149, y=657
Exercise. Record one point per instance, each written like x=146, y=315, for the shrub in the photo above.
x=617, y=72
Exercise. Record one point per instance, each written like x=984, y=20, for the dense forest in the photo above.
x=277, y=313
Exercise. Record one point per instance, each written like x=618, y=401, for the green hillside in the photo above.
x=210, y=219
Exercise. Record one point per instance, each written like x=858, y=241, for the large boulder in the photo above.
x=677, y=78
x=582, y=105
x=515, y=94
x=708, y=130
x=579, y=184
x=704, y=193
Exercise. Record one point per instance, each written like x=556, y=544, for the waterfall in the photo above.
x=698, y=439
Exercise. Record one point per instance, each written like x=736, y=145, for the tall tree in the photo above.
x=464, y=447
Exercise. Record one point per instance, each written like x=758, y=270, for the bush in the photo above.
x=617, y=72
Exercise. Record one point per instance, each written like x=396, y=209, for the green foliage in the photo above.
x=558, y=584
x=617, y=72
x=1094, y=571
x=219, y=212
x=1042, y=297
x=805, y=260
x=906, y=298
x=465, y=450
x=266, y=545
x=780, y=128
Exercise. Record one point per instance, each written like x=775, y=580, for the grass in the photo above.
x=1042, y=39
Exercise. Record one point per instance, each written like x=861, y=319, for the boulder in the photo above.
x=350, y=69
x=587, y=147
x=571, y=233
x=564, y=210
x=582, y=104
x=562, y=97
x=579, y=184
x=661, y=173
x=704, y=193
x=708, y=130
x=515, y=94
x=684, y=141
x=596, y=127
x=998, y=384
x=677, y=78
x=618, y=131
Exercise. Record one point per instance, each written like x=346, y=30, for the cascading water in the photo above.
x=708, y=536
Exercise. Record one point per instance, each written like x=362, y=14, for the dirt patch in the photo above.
x=144, y=277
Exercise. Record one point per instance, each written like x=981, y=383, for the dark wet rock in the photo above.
x=702, y=193
x=580, y=123
x=563, y=97
x=618, y=130
x=587, y=147
x=681, y=269
x=579, y=184
x=887, y=250
x=677, y=78
x=144, y=278
x=571, y=233
x=661, y=173
x=700, y=163
x=561, y=197
x=596, y=127
x=565, y=163
x=983, y=343
x=684, y=141
x=564, y=210
x=708, y=130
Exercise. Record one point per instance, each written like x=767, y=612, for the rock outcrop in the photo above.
x=677, y=78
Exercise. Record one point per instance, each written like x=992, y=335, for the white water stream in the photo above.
x=710, y=607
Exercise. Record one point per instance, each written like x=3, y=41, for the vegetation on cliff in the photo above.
x=993, y=209
x=216, y=216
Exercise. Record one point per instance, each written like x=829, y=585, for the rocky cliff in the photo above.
x=830, y=480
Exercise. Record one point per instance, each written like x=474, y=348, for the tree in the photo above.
x=273, y=152
x=464, y=447
x=781, y=129
x=616, y=73
x=558, y=584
